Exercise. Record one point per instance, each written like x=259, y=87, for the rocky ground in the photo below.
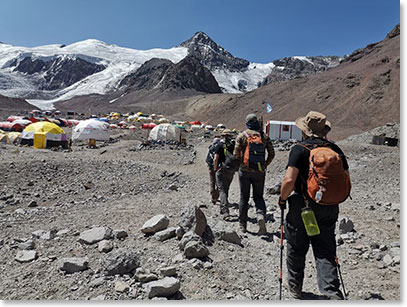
x=106, y=224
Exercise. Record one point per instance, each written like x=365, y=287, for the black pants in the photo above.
x=323, y=246
x=224, y=178
x=256, y=181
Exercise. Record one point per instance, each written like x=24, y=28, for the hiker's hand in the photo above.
x=282, y=203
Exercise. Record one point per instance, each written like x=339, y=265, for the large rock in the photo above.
x=73, y=264
x=345, y=225
x=95, y=235
x=26, y=256
x=156, y=223
x=193, y=218
x=188, y=237
x=195, y=250
x=166, y=287
x=223, y=232
x=120, y=261
x=165, y=234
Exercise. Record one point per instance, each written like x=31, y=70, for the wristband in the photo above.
x=281, y=201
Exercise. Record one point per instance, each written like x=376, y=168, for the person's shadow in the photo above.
x=309, y=296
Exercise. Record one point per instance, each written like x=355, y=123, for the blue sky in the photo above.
x=256, y=30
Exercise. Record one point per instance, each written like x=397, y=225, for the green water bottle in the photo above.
x=310, y=223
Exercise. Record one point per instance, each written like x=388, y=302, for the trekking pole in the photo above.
x=281, y=249
x=340, y=276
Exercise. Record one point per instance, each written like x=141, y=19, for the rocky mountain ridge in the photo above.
x=58, y=72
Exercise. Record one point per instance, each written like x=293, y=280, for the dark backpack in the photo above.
x=255, y=153
x=231, y=162
x=210, y=155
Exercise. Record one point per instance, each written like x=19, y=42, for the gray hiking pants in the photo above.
x=323, y=246
x=224, y=178
x=256, y=181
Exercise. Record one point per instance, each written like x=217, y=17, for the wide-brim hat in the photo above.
x=226, y=132
x=312, y=124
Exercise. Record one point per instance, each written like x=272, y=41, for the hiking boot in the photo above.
x=294, y=291
x=214, y=201
x=262, y=225
x=242, y=227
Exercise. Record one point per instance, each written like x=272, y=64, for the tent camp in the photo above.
x=91, y=129
x=44, y=134
x=165, y=132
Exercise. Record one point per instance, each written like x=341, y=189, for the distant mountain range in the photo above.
x=48, y=74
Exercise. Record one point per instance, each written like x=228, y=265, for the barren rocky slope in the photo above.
x=122, y=185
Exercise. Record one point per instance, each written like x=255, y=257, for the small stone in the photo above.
x=32, y=203
x=168, y=271
x=26, y=256
x=95, y=235
x=166, y=287
x=44, y=234
x=73, y=264
x=121, y=286
x=27, y=245
x=165, y=234
x=105, y=246
x=388, y=260
x=147, y=277
x=156, y=223
x=120, y=234
x=207, y=265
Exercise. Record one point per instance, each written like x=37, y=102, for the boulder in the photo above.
x=345, y=225
x=193, y=218
x=155, y=224
x=166, y=287
x=223, y=232
x=73, y=264
x=195, y=250
x=26, y=256
x=165, y=234
x=95, y=235
x=189, y=236
x=120, y=261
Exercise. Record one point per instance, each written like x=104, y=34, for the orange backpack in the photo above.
x=255, y=152
x=328, y=183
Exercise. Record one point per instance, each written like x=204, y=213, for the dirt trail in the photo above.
x=129, y=186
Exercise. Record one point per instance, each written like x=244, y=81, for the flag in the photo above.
x=269, y=108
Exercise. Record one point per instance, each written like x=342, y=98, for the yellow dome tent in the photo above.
x=44, y=134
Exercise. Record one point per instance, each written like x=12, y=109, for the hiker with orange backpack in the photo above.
x=251, y=146
x=317, y=172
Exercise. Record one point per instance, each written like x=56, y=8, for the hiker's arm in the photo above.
x=215, y=162
x=288, y=182
x=271, y=153
x=237, y=151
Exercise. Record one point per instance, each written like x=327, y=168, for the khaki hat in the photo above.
x=226, y=132
x=312, y=124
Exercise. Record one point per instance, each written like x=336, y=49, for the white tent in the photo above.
x=91, y=129
x=165, y=132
